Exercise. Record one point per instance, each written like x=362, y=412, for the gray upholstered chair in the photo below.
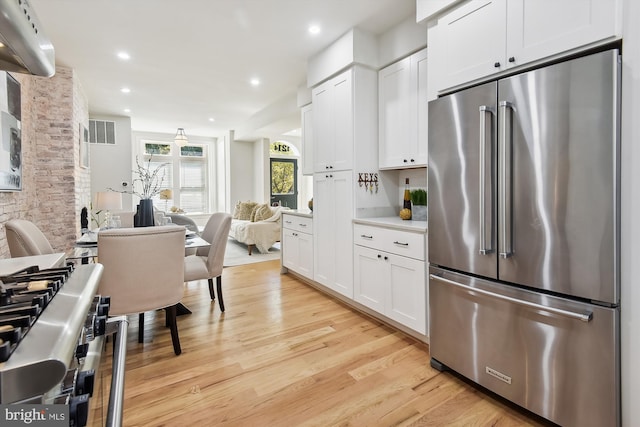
x=143, y=271
x=207, y=263
x=180, y=219
x=189, y=224
x=26, y=239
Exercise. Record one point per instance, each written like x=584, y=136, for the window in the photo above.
x=185, y=174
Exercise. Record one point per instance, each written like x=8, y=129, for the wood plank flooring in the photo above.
x=285, y=354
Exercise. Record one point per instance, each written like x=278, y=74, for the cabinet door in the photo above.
x=342, y=150
x=540, y=28
x=394, y=114
x=419, y=148
x=406, y=301
x=474, y=39
x=305, y=255
x=333, y=235
x=290, y=250
x=333, y=124
x=306, y=120
x=343, y=231
x=323, y=126
x=370, y=278
x=323, y=268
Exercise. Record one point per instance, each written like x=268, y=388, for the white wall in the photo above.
x=261, y=179
x=111, y=163
x=400, y=41
x=240, y=171
x=630, y=212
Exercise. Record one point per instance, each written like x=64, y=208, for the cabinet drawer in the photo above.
x=403, y=243
x=298, y=223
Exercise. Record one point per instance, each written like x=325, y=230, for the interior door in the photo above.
x=284, y=182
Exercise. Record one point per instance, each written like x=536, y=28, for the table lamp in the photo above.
x=108, y=201
x=166, y=195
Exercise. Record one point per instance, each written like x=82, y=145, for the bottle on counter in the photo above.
x=405, y=213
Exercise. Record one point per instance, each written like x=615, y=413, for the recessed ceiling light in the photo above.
x=314, y=29
x=211, y=119
x=124, y=56
x=125, y=90
x=127, y=110
x=255, y=82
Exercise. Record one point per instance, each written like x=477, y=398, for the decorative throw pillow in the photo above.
x=236, y=210
x=253, y=213
x=262, y=212
x=245, y=210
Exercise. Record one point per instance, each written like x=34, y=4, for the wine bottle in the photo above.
x=407, y=195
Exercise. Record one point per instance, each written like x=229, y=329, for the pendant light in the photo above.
x=181, y=138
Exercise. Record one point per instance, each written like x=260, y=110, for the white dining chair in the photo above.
x=207, y=263
x=26, y=239
x=143, y=271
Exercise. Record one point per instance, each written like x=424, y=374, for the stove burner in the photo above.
x=24, y=295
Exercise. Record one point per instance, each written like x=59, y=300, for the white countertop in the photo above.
x=11, y=265
x=304, y=213
x=394, y=222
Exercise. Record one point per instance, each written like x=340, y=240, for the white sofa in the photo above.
x=261, y=233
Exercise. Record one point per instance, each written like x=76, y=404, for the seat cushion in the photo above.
x=195, y=268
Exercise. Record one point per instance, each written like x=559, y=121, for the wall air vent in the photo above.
x=102, y=132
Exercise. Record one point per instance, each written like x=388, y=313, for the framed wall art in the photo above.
x=10, y=134
x=84, y=146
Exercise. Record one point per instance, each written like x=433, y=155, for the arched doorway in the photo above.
x=284, y=175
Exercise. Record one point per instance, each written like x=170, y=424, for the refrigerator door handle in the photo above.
x=484, y=248
x=583, y=317
x=504, y=184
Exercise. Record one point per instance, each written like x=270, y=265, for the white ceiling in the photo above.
x=192, y=60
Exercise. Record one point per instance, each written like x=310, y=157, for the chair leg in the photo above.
x=211, y=293
x=141, y=327
x=220, y=301
x=173, y=324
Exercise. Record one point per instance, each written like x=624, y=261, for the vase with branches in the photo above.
x=147, y=182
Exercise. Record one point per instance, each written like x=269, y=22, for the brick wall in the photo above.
x=55, y=187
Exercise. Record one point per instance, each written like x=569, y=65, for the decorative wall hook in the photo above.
x=368, y=180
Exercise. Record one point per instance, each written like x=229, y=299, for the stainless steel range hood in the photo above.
x=25, y=48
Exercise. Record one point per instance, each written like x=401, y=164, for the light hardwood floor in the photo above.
x=285, y=354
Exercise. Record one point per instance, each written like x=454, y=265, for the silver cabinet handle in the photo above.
x=302, y=225
x=400, y=243
x=288, y=222
x=364, y=236
x=504, y=183
x=583, y=317
x=484, y=248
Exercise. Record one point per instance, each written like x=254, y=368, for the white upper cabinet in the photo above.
x=333, y=124
x=306, y=120
x=484, y=37
x=473, y=40
x=402, y=113
x=540, y=28
x=345, y=109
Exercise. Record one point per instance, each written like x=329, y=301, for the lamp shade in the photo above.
x=108, y=201
x=166, y=194
x=181, y=138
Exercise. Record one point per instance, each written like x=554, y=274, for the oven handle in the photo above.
x=117, y=326
x=583, y=317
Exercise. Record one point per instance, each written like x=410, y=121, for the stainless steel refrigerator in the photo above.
x=524, y=238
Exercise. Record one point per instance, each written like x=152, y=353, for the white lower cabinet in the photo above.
x=387, y=278
x=297, y=244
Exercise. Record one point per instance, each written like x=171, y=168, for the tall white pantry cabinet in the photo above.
x=344, y=143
